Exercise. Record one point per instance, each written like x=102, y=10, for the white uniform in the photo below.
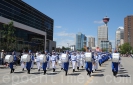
x=96, y=62
x=74, y=59
x=38, y=62
x=23, y=64
x=54, y=59
x=62, y=65
x=78, y=60
x=82, y=60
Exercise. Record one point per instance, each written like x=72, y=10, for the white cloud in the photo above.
x=65, y=34
x=65, y=42
x=98, y=22
x=58, y=26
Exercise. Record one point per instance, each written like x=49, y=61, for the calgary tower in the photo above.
x=106, y=20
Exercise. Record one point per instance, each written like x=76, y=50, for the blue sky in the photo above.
x=73, y=16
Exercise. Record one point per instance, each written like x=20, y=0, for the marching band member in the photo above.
x=74, y=59
x=99, y=59
x=54, y=61
x=65, y=61
x=88, y=64
x=78, y=60
x=13, y=62
x=82, y=61
x=22, y=62
x=32, y=60
x=115, y=64
x=96, y=61
x=38, y=61
x=28, y=64
x=44, y=64
x=48, y=61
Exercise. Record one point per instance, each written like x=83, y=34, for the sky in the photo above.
x=73, y=16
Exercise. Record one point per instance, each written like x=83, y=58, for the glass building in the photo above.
x=34, y=30
x=81, y=41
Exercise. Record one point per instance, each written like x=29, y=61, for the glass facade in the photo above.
x=23, y=13
x=81, y=41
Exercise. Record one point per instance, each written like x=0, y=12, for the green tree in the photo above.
x=8, y=34
x=125, y=48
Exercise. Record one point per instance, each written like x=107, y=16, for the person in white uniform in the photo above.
x=49, y=57
x=23, y=64
x=96, y=61
x=38, y=61
x=54, y=61
x=78, y=60
x=74, y=59
x=82, y=59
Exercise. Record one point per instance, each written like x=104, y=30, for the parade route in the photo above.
x=103, y=76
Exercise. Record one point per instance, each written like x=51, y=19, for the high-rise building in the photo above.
x=33, y=29
x=81, y=41
x=119, y=37
x=102, y=34
x=91, y=42
x=128, y=30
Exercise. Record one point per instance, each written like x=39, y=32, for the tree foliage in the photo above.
x=8, y=35
x=125, y=48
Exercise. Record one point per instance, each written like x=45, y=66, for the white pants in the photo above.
x=78, y=63
x=74, y=64
x=93, y=65
x=23, y=65
x=32, y=64
x=38, y=65
x=53, y=64
x=48, y=64
x=82, y=62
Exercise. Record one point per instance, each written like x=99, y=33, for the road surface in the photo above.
x=103, y=76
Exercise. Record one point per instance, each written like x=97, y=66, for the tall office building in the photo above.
x=91, y=42
x=128, y=30
x=119, y=37
x=33, y=29
x=81, y=41
x=102, y=34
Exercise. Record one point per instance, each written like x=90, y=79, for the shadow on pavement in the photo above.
x=125, y=75
x=74, y=74
x=97, y=75
x=18, y=72
x=36, y=73
x=52, y=73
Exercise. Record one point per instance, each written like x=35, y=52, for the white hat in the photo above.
x=2, y=50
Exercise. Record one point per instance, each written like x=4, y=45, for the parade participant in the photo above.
x=74, y=59
x=48, y=59
x=2, y=56
x=115, y=62
x=13, y=62
x=82, y=61
x=78, y=60
x=28, y=64
x=99, y=59
x=96, y=61
x=60, y=61
x=88, y=62
x=54, y=61
x=32, y=59
x=45, y=60
x=65, y=60
x=22, y=62
x=38, y=61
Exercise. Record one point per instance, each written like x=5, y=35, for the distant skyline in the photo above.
x=73, y=16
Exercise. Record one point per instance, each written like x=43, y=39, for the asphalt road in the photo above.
x=103, y=76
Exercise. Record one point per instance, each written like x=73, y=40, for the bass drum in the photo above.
x=26, y=58
x=9, y=58
x=88, y=57
x=42, y=58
